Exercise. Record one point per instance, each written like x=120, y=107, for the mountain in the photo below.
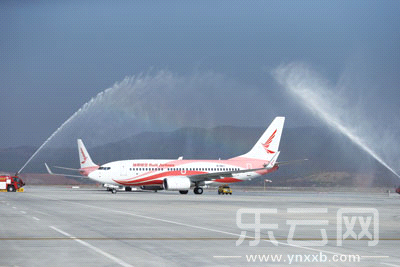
x=333, y=159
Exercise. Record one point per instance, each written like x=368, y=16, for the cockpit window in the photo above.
x=105, y=168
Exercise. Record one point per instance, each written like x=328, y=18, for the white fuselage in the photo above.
x=153, y=172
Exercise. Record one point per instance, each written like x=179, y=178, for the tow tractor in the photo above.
x=11, y=184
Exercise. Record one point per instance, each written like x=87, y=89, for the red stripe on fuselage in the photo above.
x=156, y=177
x=228, y=180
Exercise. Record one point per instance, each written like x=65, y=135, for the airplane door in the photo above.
x=249, y=166
x=123, y=170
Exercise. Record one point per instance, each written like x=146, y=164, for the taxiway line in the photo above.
x=105, y=254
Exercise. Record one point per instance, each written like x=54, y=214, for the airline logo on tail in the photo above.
x=268, y=142
x=84, y=157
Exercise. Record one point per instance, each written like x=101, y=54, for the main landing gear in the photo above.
x=198, y=190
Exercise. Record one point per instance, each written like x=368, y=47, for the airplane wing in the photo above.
x=61, y=174
x=219, y=175
x=65, y=168
x=291, y=161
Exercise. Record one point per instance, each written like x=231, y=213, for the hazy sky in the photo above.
x=56, y=55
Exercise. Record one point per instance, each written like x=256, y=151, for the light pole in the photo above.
x=266, y=181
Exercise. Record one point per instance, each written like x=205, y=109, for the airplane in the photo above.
x=181, y=174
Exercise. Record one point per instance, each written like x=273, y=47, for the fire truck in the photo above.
x=11, y=183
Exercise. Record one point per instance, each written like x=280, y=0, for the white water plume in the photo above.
x=330, y=104
x=159, y=101
x=162, y=101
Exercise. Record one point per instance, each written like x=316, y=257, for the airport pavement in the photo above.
x=61, y=226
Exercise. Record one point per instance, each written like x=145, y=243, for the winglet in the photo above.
x=272, y=162
x=48, y=169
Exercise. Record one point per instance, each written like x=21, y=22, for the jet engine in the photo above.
x=177, y=183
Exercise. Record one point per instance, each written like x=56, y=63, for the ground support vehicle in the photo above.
x=224, y=189
x=11, y=184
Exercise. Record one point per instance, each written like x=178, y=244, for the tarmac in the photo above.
x=64, y=226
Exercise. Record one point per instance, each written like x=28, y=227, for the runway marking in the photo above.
x=14, y=207
x=105, y=254
x=389, y=264
x=23, y=212
x=35, y=218
x=44, y=213
x=184, y=239
x=127, y=238
x=200, y=227
x=196, y=227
